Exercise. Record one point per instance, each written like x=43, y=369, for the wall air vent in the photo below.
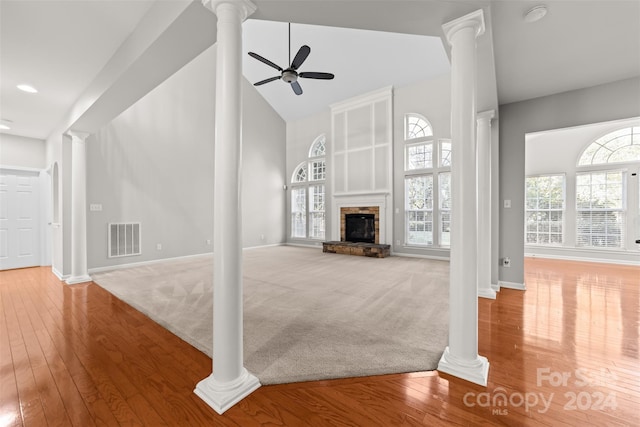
x=124, y=239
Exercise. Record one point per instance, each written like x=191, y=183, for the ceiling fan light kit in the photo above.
x=290, y=75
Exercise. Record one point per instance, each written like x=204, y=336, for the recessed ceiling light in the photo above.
x=535, y=14
x=27, y=88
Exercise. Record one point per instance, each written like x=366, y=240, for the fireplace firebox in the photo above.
x=360, y=227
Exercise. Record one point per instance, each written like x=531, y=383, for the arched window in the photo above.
x=426, y=184
x=308, y=194
x=601, y=192
x=318, y=148
x=300, y=174
x=620, y=146
x=416, y=126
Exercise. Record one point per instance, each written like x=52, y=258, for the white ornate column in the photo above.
x=461, y=357
x=485, y=290
x=230, y=382
x=79, y=273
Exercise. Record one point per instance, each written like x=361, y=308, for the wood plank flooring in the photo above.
x=563, y=353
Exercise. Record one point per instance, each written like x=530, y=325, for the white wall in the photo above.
x=264, y=171
x=613, y=101
x=20, y=151
x=154, y=164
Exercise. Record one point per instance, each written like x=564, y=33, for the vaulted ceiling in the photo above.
x=80, y=53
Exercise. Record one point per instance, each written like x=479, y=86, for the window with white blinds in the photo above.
x=600, y=209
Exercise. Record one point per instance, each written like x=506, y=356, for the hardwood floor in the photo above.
x=563, y=352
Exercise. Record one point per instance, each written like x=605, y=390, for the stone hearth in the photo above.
x=375, y=250
x=362, y=249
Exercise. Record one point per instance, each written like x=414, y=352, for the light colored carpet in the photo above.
x=307, y=315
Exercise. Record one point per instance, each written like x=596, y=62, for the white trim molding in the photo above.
x=489, y=293
x=512, y=285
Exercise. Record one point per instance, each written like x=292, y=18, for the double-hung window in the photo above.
x=544, y=209
x=600, y=209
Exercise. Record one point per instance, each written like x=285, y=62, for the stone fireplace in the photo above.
x=360, y=224
x=372, y=225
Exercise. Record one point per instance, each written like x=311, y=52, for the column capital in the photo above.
x=75, y=134
x=245, y=7
x=471, y=20
x=486, y=115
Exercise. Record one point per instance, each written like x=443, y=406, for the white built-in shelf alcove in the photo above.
x=362, y=157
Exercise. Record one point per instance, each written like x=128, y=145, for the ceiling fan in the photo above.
x=291, y=74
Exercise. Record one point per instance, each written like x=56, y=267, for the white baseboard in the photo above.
x=406, y=255
x=143, y=263
x=487, y=293
x=304, y=245
x=495, y=287
x=75, y=280
x=156, y=261
x=59, y=275
x=262, y=246
x=512, y=285
x=584, y=259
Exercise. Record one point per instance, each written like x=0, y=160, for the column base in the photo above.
x=477, y=372
x=74, y=280
x=487, y=293
x=495, y=287
x=222, y=396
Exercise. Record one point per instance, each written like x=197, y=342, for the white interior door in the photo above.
x=19, y=219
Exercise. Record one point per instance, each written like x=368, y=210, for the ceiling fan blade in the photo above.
x=265, y=60
x=314, y=75
x=302, y=54
x=296, y=88
x=270, y=79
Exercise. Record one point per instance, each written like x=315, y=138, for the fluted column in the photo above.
x=79, y=273
x=485, y=290
x=461, y=357
x=230, y=382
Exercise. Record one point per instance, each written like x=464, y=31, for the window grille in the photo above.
x=544, y=210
